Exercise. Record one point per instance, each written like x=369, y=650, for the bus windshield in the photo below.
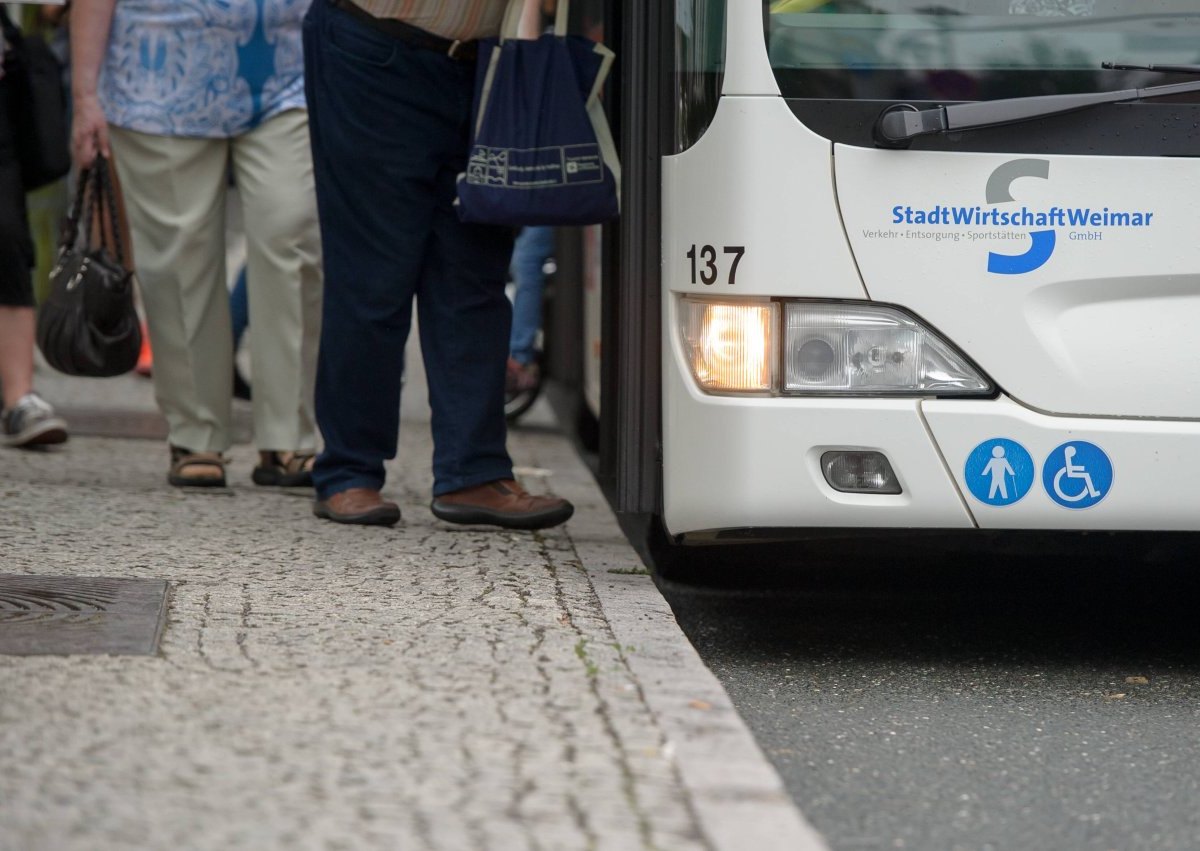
x=974, y=49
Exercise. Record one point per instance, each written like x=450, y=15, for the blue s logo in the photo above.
x=1041, y=244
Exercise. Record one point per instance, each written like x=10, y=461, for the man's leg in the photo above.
x=465, y=323
x=375, y=104
x=464, y=338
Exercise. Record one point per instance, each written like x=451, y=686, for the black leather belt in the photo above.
x=461, y=51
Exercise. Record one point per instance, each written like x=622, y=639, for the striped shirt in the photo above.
x=461, y=19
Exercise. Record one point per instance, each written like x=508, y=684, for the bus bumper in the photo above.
x=745, y=463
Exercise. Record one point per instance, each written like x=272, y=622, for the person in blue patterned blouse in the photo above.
x=178, y=93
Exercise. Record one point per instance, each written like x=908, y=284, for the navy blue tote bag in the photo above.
x=541, y=150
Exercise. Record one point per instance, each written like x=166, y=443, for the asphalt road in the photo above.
x=1041, y=695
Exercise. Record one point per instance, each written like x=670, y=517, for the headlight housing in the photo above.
x=870, y=349
x=820, y=348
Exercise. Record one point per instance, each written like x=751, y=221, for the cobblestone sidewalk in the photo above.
x=322, y=686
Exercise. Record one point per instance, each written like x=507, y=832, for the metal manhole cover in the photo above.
x=58, y=615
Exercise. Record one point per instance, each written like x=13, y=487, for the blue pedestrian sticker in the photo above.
x=1077, y=474
x=999, y=471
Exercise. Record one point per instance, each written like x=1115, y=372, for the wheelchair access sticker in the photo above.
x=1077, y=474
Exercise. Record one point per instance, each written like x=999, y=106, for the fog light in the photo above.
x=856, y=471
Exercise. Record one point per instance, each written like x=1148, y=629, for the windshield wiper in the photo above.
x=1166, y=69
x=897, y=125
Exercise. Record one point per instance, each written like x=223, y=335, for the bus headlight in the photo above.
x=730, y=346
x=867, y=349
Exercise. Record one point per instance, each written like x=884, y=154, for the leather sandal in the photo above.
x=196, y=469
x=284, y=469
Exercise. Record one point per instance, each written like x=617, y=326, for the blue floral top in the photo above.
x=208, y=68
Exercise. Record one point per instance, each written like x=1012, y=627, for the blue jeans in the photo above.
x=533, y=247
x=390, y=126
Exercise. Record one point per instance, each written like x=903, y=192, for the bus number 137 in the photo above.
x=705, y=266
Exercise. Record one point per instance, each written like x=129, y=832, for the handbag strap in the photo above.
x=70, y=232
x=106, y=204
x=96, y=191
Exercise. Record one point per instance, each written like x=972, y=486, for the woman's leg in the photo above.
x=16, y=259
x=273, y=171
x=174, y=191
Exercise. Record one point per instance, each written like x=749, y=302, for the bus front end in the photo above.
x=991, y=325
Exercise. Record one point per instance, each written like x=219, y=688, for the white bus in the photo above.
x=925, y=264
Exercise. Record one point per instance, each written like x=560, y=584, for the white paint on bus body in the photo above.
x=1089, y=338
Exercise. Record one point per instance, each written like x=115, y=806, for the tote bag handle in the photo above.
x=511, y=25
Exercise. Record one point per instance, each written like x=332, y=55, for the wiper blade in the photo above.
x=1166, y=69
x=897, y=125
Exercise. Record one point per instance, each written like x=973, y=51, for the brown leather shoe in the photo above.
x=501, y=503
x=360, y=506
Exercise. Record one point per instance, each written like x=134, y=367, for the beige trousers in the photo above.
x=175, y=194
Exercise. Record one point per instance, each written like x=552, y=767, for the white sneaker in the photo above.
x=31, y=422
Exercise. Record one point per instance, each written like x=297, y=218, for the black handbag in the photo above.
x=88, y=325
x=37, y=104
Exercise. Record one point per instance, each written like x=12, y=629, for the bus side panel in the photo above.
x=759, y=181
